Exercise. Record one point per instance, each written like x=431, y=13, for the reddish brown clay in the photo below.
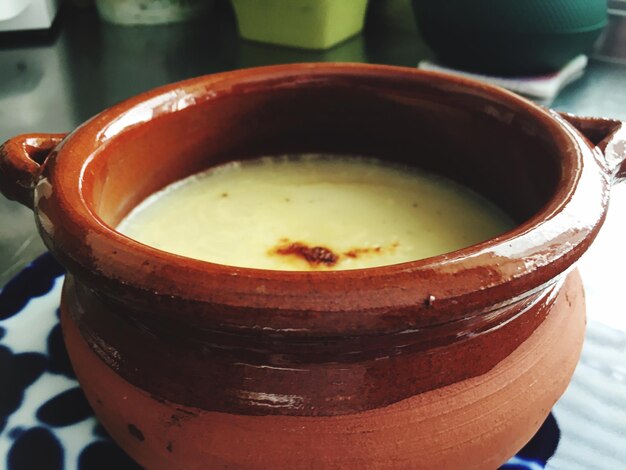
x=268, y=369
x=21, y=160
x=477, y=423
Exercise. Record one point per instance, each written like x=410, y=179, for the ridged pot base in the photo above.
x=476, y=423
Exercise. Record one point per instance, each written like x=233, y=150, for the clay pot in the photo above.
x=448, y=362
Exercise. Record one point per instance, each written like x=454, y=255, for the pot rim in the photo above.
x=389, y=298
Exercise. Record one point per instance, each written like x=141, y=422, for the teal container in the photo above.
x=510, y=37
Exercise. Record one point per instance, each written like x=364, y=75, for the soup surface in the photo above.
x=313, y=212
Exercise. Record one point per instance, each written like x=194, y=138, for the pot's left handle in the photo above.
x=22, y=159
x=609, y=136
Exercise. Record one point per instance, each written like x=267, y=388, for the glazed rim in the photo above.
x=469, y=281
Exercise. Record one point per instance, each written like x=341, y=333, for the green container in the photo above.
x=510, y=37
x=306, y=24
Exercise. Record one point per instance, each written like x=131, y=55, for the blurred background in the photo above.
x=62, y=62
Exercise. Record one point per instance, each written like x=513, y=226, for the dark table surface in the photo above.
x=55, y=82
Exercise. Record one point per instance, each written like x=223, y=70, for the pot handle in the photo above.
x=22, y=160
x=609, y=136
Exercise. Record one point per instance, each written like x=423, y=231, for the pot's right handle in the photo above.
x=21, y=162
x=609, y=136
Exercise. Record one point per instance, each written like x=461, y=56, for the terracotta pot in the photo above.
x=448, y=362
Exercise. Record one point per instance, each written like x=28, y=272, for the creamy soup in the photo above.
x=313, y=212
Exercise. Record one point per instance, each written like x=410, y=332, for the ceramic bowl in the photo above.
x=448, y=362
x=509, y=37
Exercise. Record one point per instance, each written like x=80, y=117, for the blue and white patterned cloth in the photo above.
x=45, y=420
